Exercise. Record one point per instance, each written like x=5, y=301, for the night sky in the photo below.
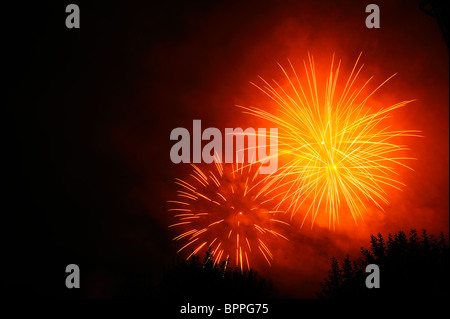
x=89, y=111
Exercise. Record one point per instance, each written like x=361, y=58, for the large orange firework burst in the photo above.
x=337, y=151
x=224, y=208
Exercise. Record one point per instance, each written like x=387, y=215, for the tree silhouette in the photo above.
x=204, y=279
x=409, y=267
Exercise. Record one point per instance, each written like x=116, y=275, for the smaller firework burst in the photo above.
x=225, y=210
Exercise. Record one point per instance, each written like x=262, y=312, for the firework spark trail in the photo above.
x=336, y=150
x=227, y=211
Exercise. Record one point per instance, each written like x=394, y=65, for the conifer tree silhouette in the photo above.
x=409, y=267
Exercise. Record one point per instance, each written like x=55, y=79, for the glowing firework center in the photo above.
x=338, y=152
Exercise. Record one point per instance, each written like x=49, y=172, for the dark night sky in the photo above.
x=89, y=112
